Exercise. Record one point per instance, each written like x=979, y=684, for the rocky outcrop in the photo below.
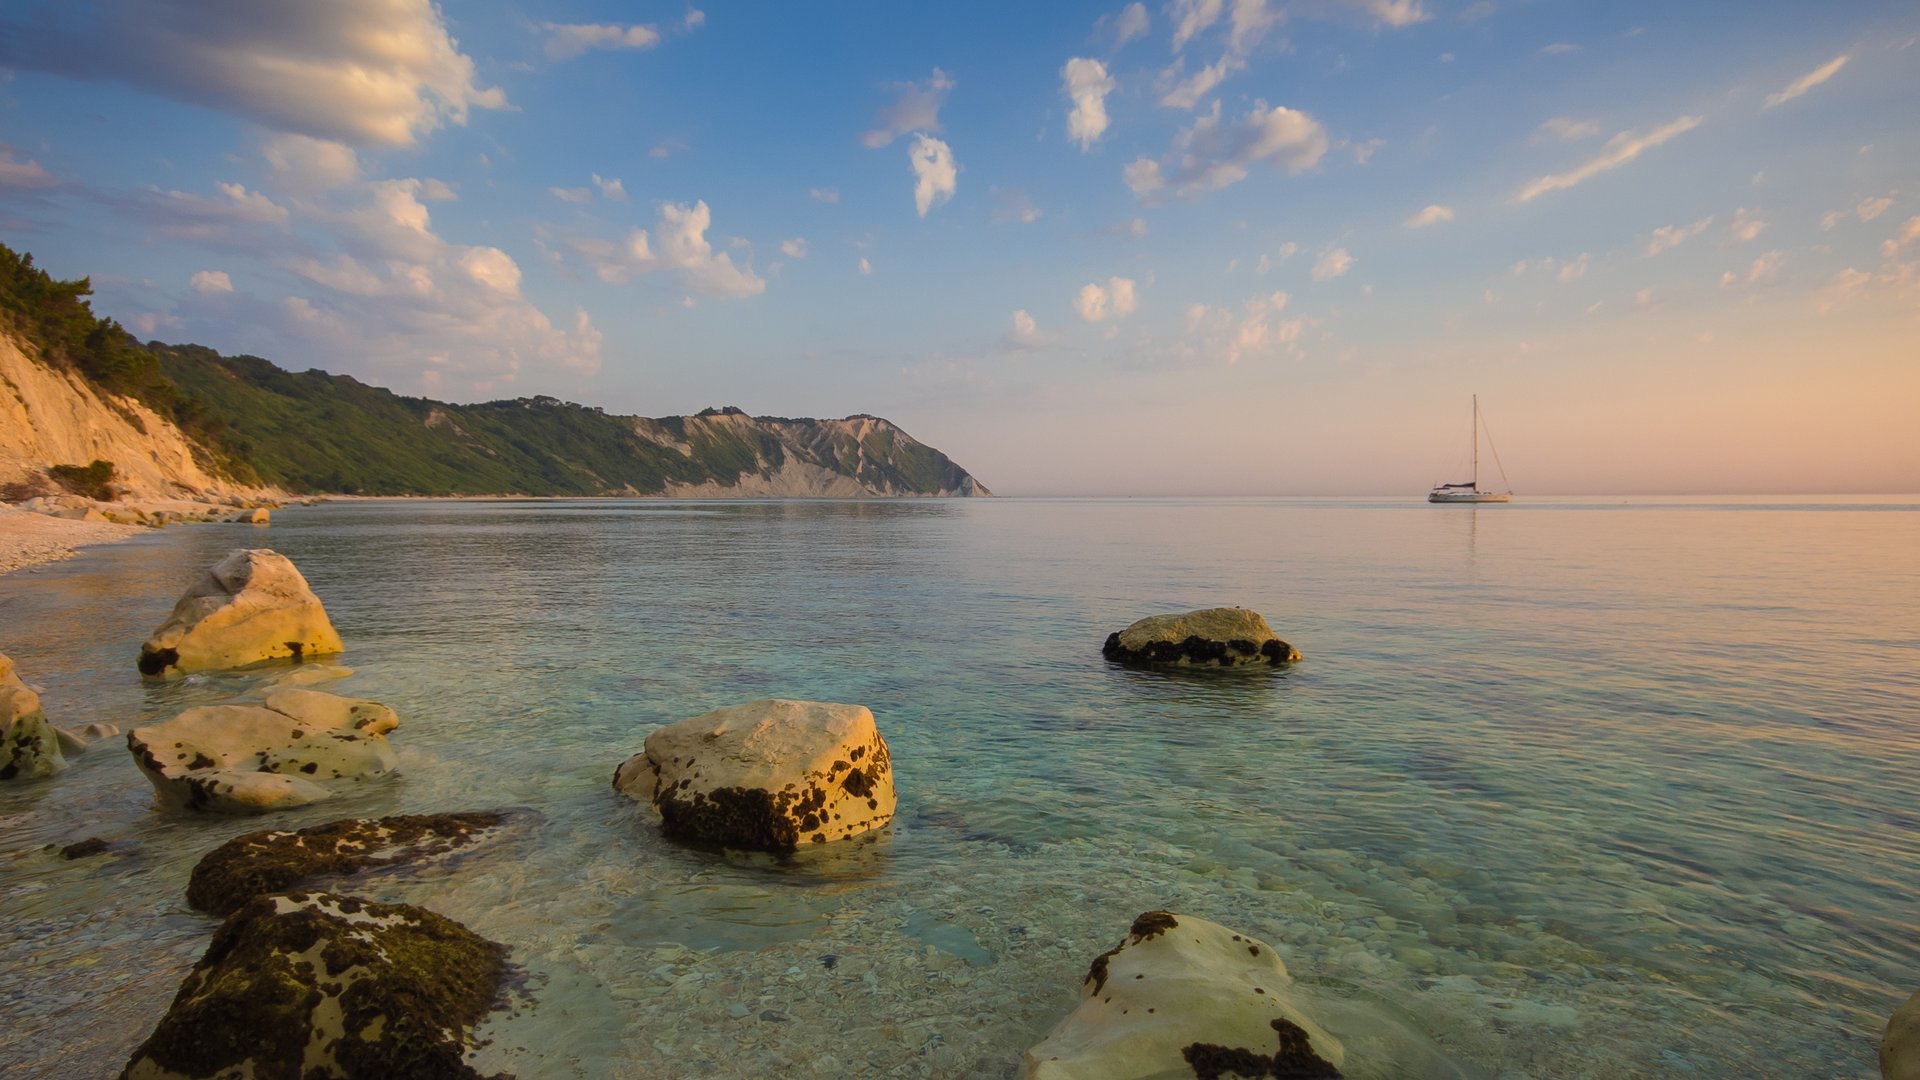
x=765, y=776
x=248, y=759
x=1900, y=1044
x=1212, y=637
x=314, y=985
x=1181, y=996
x=29, y=745
x=251, y=606
x=269, y=862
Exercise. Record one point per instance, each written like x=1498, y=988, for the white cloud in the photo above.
x=865, y=266
x=1565, y=129
x=18, y=174
x=211, y=282
x=1620, y=149
x=679, y=245
x=935, y=176
x=304, y=164
x=1577, y=269
x=568, y=40
x=611, y=188
x=1872, y=208
x=695, y=18
x=1363, y=151
x=1909, y=232
x=493, y=268
x=1332, y=263
x=1764, y=268
x=1025, y=334
x=1257, y=332
x=360, y=71
x=1187, y=94
x=1646, y=300
x=1807, y=82
x=1087, y=85
x=916, y=107
x=795, y=248
x=1432, y=215
x=1012, y=205
x=1208, y=156
x=1843, y=287
x=1394, y=13
x=1190, y=17
x=1249, y=20
x=1123, y=26
x=1668, y=237
x=830, y=196
x=575, y=195
x=1095, y=303
x=1746, y=225
x=240, y=220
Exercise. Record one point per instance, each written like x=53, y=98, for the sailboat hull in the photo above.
x=1467, y=496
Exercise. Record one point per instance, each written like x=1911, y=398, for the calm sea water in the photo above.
x=1561, y=789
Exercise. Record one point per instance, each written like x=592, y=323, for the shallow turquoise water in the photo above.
x=1561, y=788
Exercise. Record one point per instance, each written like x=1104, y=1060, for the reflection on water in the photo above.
x=1592, y=788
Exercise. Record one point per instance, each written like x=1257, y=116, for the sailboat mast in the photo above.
x=1476, y=442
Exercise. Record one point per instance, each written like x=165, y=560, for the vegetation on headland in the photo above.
x=315, y=432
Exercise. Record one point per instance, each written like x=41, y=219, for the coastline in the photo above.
x=28, y=539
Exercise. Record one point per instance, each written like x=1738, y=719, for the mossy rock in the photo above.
x=275, y=861
x=313, y=985
x=1209, y=638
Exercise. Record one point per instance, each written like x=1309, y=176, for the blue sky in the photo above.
x=1210, y=247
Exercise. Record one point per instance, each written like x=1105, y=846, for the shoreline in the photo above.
x=28, y=539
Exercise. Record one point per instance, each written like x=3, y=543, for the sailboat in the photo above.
x=1470, y=492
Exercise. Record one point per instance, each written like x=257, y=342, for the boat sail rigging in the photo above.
x=1471, y=492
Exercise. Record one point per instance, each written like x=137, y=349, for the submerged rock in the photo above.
x=1900, y=1045
x=1182, y=996
x=246, y=759
x=251, y=606
x=315, y=985
x=1212, y=637
x=29, y=745
x=765, y=776
x=275, y=861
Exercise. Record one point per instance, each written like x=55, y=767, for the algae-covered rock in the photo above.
x=29, y=745
x=277, y=861
x=313, y=985
x=245, y=759
x=765, y=776
x=1181, y=996
x=1900, y=1044
x=251, y=606
x=1213, y=637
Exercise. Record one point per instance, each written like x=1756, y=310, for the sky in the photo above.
x=1264, y=247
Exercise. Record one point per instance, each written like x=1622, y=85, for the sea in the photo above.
x=1570, y=787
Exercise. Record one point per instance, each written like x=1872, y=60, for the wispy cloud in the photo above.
x=568, y=40
x=916, y=107
x=1333, y=263
x=1208, y=155
x=1620, y=149
x=1807, y=82
x=1565, y=129
x=1668, y=237
x=1432, y=215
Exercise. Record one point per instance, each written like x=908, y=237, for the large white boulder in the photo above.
x=251, y=606
x=29, y=745
x=1900, y=1045
x=1182, y=996
x=765, y=776
x=247, y=759
x=1211, y=637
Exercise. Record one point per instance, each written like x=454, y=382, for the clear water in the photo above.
x=1561, y=789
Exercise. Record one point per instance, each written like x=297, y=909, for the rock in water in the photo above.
x=1213, y=637
x=246, y=759
x=251, y=606
x=1900, y=1046
x=765, y=776
x=1182, y=996
x=316, y=985
x=29, y=745
x=274, y=861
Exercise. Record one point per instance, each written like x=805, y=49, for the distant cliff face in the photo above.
x=50, y=416
x=858, y=457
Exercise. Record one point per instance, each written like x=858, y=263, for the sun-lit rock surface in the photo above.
x=767, y=776
x=1212, y=637
x=245, y=759
x=1900, y=1044
x=251, y=606
x=315, y=985
x=1184, y=997
x=29, y=745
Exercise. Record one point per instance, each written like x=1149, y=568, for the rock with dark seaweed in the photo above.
x=277, y=861
x=1900, y=1044
x=1180, y=996
x=314, y=985
x=247, y=759
x=251, y=606
x=765, y=776
x=29, y=745
x=1213, y=637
